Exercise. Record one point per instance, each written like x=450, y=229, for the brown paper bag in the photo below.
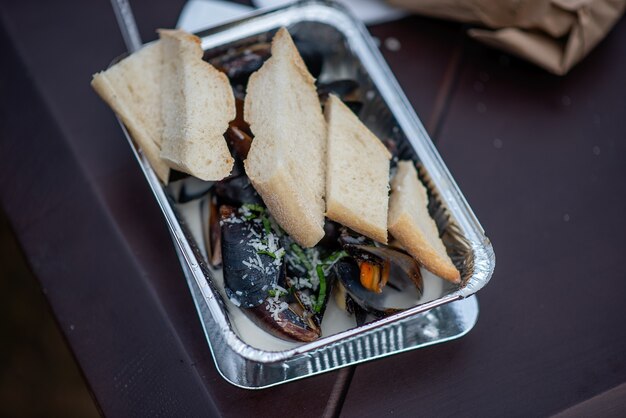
x=554, y=34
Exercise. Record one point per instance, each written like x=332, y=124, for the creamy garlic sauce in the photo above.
x=335, y=319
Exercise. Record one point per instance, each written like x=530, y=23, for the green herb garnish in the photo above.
x=275, y=292
x=301, y=256
x=335, y=256
x=267, y=225
x=322, y=293
x=271, y=254
x=253, y=207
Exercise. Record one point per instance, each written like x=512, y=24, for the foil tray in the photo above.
x=349, y=53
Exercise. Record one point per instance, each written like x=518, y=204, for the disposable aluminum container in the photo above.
x=349, y=53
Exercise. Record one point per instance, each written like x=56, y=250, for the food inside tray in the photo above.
x=299, y=208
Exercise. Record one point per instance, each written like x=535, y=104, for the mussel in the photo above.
x=283, y=315
x=211, y=230
x=239, y=136
x=374, y=273
x=392, y=299
x=255, y=274
x=188, y=188
x=252, y=257
x=237, y=190
x=240, y=63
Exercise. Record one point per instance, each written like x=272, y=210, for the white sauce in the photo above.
x=335, y=319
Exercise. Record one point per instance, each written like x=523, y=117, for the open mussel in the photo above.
x=375, y=276
x=400, y=293
x=378, y=264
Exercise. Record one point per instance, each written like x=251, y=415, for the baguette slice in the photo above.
x=357, y=183
x=411, y=224
x=286, y=162
x=197, y=105
x=132, y=89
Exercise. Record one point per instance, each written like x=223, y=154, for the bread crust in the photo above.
x=193, y=138
x=357, y=178
x=287, y=206
x=408, y=234
x=407, y=210
x=339, y=213
x=286, y=161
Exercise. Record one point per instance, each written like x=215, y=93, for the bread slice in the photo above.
x=286, y=162
x=357, y=176
x=411, y=224
x=197, y=105
x=132, y=89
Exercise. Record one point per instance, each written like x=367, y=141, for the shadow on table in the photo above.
x=38, y=375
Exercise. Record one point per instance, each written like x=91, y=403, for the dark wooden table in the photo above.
x=541, y=159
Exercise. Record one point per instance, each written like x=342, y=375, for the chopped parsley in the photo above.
x=253, y=207
x=267, y=225
x=276, y=293
x=271, y=254
x=304, y=260
x=321, y=296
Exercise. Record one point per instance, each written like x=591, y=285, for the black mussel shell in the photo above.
x=188, y=188
x=346, y=302
x=236, y=191
x=348, y=272
x=240, y=63
x=193, y=188
x=345, y=89
x=402, y=264
x=330, y=284
x=248, y=274
x=349, y=237
x=291, y=324
x=211, y=229
x=340, y=88
x=176, y=175
x=330, y=240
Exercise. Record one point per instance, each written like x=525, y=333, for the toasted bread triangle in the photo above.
x=197, y=105
x=357, y=184
x=411, y=224
x=286, y=162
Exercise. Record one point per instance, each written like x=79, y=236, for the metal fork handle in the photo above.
x=127, y=24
